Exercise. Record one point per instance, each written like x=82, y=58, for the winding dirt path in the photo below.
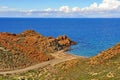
x=59, y=57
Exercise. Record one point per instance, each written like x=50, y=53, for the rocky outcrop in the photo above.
x=29, y=33
x=64, y=41
x=33, y=45
x=106, y=55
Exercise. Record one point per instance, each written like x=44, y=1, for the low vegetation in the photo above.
x=77, y=69
x=10, y=61
x=104, y=66
x=28, y=48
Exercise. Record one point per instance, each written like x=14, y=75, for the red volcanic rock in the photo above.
x=34, y=45
x=50, y=37
x=64, y=40
x=29, y=33
x=106, y=55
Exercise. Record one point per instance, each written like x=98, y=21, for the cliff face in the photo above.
x=35, y=46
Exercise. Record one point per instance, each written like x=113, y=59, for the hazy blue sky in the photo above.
x=42, y=4
x=59, y=8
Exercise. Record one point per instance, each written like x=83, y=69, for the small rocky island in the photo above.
x=28, y=48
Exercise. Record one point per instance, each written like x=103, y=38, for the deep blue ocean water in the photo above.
x=93, y=35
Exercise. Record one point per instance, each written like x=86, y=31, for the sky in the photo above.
x=60, y=8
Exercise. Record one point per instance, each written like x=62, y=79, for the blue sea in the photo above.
x=93, y=35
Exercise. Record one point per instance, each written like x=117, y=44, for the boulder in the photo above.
x=65, y=41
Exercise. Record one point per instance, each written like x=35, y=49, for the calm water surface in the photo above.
x=92, y=35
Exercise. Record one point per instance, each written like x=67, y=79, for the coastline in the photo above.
x=63, y=54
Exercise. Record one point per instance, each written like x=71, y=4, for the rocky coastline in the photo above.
x=28, y=48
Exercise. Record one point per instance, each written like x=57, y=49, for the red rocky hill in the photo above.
x=106, y=55
x=33, y=45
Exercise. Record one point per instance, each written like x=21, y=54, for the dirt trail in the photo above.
x=60, y=56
